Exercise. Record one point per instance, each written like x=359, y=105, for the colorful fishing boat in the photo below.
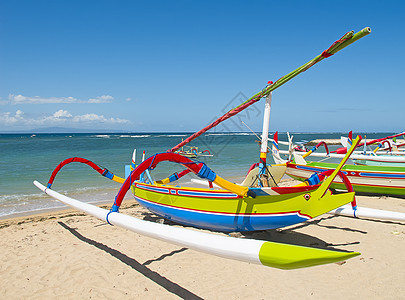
x=227, y=210
x=386, y=153
x=386, y=180
x=193, y=152
x=255, y=205
x=383, y=180
x=366, y=179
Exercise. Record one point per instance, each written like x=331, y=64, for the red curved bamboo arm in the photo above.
x=102, y=171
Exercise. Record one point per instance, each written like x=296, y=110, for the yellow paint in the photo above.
x=163, y=181
x=118, y=179
x=234, y=188
x=304, y=183
x=328, y=180
x=307, y=154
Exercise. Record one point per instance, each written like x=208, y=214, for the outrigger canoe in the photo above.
x=382, y=179
x=366, y=179
x=386, y=153
x=257, y=205
x=232, y=208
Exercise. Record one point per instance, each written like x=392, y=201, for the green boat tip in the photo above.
x=294, y=257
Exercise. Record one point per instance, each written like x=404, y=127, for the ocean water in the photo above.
x=25, y=158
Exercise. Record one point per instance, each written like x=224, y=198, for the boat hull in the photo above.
x=221, y=210
x=364, y=179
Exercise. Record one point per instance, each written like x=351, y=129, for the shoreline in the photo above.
x=107, y=193
x=107, y=196
x=56, y=213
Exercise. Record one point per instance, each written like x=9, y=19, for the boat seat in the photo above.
x=276, y=173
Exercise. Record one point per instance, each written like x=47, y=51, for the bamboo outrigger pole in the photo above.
x=343, y=42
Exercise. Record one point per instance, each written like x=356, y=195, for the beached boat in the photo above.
x=381, y=156
x=386, y=153
x=255, y=205
x=238, y=208
x=386, y=180
x=367, y=179
x=364, y=179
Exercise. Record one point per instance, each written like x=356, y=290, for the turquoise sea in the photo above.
x=28, y=157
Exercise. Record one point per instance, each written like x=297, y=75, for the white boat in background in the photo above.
x=386, y=180
x=376, y=157
x=387, y=152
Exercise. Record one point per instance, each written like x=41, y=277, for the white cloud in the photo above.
x=59, y=118
x=101, y=99
x=98, y=118
x=7, y=119
x=19, y=114
x=20, y=99
x=62, y=114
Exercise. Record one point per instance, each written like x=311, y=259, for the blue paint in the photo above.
x=222, y=222
x=206, y=173
x=364, y=174
x=127, y=170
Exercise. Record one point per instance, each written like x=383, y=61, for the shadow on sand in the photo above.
x=141, y=268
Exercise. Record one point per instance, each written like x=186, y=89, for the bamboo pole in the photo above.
x=340, y=44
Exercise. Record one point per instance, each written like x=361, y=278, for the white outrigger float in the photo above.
x=271, y=254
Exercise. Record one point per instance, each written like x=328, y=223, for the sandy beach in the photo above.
x=69, y=255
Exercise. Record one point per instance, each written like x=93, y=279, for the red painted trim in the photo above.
x=214, y=192
x=227, y=213
x=294, y=189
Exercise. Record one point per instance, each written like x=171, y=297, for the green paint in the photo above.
x=315, y=206
x=367, y=185
x=284, y=256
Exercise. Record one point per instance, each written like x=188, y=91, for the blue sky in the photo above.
x=145, y=66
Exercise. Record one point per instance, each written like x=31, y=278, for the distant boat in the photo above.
x=193, y=152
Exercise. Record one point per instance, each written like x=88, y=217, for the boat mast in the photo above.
x=265, y=131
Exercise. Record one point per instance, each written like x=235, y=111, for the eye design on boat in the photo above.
x=307, y=196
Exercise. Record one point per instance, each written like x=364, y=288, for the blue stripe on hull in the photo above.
x=223, y=222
